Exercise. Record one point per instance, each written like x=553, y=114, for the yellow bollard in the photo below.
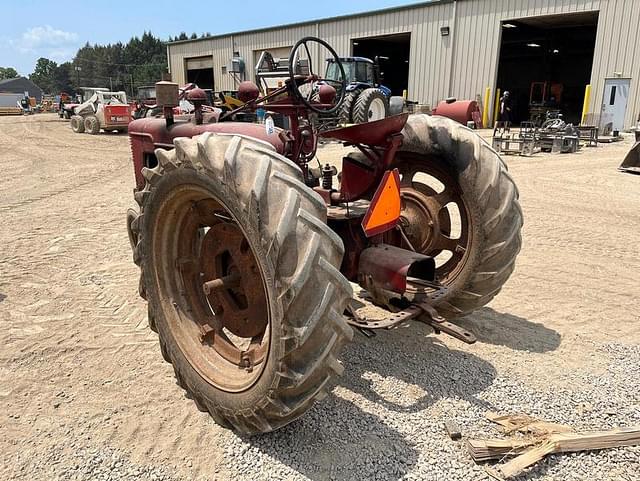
x=496, y=114
x=485, y=108
x=585, y=105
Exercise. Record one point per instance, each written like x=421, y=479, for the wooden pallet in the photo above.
x=10, y=111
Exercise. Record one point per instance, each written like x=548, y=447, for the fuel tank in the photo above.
x=149, y=134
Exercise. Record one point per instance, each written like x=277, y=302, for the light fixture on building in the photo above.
x=355, y=43
x=555, y=50
x=533, y=45
x=444, y=31
x=509, y=25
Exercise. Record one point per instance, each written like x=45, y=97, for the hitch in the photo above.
x=421, y=312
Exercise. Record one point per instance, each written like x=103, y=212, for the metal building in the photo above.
x=459, y=48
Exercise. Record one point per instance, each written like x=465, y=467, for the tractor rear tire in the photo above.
x=261, y=194
x=490, y=195
x=91, y=125
x=347, y=106
x=370, y=105
x=77, y=124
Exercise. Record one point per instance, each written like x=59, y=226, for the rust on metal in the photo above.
x=374, y=133
x=226, y=258
x=228, y=282
x=387, y=267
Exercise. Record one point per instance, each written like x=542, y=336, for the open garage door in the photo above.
x=545, y=63
x=395, y=71
x=200, y=71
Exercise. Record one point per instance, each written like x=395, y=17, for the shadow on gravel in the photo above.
x=2, y=297
x=514, y=332
x=409, y=369
x=363, y=431
x=337, y=440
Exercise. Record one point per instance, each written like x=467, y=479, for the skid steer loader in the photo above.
x=104, y=110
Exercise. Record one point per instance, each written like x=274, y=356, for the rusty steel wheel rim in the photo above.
x=434, y=218
x=212, y=289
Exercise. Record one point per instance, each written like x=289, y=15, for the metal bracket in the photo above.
x=422, y=312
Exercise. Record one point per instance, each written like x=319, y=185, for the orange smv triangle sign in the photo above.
x=384, y=210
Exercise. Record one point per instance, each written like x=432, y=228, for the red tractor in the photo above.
x=247, y=253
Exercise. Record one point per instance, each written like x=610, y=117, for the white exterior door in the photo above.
x=614, y=102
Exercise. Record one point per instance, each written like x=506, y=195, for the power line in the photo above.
x=164, y=64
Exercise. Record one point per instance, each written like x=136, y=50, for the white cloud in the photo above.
x=46, y=37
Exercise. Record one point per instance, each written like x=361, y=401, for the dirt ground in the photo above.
x=79, y=369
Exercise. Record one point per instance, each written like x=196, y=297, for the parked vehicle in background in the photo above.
x=366, y=99
x=104, y=110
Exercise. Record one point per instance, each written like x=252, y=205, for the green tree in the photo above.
x=43, y=74
x=8, y=72
x=62, y=78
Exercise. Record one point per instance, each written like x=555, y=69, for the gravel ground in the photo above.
x=86, y=396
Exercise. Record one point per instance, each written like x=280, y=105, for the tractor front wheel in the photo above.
x=77, y=124
x=459, y=205
x=91, y=125
x=241, y=275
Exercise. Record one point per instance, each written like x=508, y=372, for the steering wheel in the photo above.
x=314, y=80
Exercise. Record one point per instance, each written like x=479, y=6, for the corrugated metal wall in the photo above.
x=462, y=64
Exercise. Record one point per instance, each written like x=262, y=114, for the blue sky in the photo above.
x=56, y=29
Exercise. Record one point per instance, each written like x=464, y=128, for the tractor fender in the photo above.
x=385, y=90
x=357, y=85
x=441, y=137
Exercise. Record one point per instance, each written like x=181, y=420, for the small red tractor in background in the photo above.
x=247, y=252
x=104, y=110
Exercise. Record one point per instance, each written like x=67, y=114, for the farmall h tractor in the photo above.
x=246, y=254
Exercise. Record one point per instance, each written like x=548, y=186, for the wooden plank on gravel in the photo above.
x=568, y=443
x=453, y=430
x=486, y=449
x=526, y=424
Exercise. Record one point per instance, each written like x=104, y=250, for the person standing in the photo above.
x=505, y=109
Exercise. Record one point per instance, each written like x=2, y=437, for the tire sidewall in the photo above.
x=258, y=392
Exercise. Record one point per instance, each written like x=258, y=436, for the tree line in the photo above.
x=118, y=66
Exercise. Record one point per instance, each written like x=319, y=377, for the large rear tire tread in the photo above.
x=492, y=196
x=347, y=106
x=305, y=256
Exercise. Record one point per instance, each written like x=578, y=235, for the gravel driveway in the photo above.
x=85, y=394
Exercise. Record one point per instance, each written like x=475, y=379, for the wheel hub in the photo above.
x=419, y=219
x=426, y=221
x=239, y=303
